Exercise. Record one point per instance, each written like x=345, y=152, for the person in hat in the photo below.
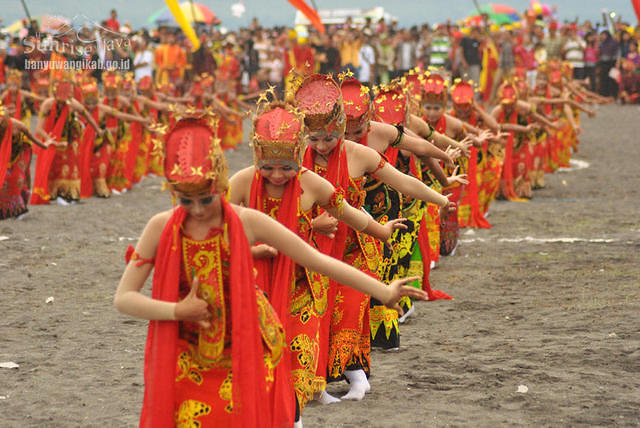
x=15, y=161
x=519, y=129
x=114, y=96
x=95, y=151
x=14, y=96
x=57, y=174
x=214, y=342
x=346, y=165
x=383, y=137
x=466, y=109
x=553, y=42
x=278, y=185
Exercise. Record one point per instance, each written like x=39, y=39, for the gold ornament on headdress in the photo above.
x=323, y=106
x=284, y=142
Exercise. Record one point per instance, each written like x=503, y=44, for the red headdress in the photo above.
x=15, y=76
x=193, y=156
x=357, y=103
x=435, y=89
x=414, y=83
x=89, y=88
x=320, y=99
x=567, y=69
x=278, y=135
x=63, y=87
x=507, y=93
x=462, y=92
x=391, y=105
x=129, y=82
x=146, y=83
x=111, y=79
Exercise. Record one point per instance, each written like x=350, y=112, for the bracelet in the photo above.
x=430, y=134
x=398, y=139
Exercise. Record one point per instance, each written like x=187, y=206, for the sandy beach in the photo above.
x=547, y=301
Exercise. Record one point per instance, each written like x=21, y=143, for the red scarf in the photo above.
x=86, y=149
x=338, y=175
x=250, y=399
x=112, y=121
x=18, y=104
x=507, y=168
x=423, y=244
x=54, y=126
x=477, y=218
x=5, y=150
x=275, y=277
x=134, y=145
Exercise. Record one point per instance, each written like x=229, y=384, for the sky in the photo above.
x=280, y=12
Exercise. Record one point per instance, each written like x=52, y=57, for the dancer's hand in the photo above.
x=263, y=251
x=192, y=308
x=465, y=146
x=449, y=207
x=392, y=225
x=397, y=290
x=462, y=178
x=453, y=153
x=325, y=224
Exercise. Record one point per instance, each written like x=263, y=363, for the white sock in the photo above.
x=359, y=385
x=323, y=397
x=61, y=201
x=298, y=423
x=115, y=192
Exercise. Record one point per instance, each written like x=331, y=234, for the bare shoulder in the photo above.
x=244, y=176
x=159, y=221
x=240, y=185
x=46, y=105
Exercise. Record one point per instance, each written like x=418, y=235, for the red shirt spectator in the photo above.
x=112, y=23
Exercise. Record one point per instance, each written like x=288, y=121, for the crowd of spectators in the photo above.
x=256, y=57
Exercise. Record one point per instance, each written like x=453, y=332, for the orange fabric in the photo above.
x=54, y=126
x=310, y=13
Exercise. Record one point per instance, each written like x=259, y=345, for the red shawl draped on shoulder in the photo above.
x=250, y=399
x=275, y=277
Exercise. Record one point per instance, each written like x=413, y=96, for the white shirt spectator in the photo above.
x=142, y=57
x=574, y=52
x=366, y=58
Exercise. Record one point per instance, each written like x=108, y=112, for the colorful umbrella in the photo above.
x=194, y=12
x=499, y=14
x=46, y=23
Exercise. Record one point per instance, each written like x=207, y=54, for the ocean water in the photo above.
x=280, y=12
